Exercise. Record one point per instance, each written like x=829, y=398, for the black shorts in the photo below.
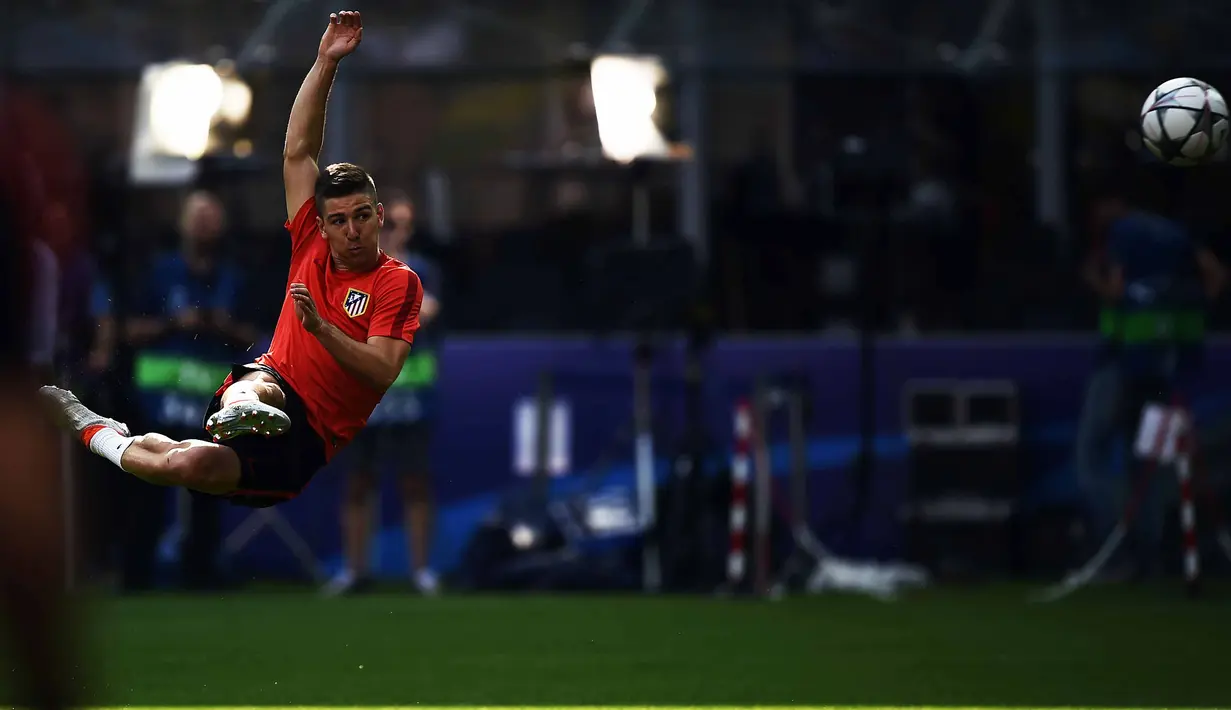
x=274, y=469
x=407, y=444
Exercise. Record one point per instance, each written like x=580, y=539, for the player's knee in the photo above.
x=270, y=394
x=256, y=384
x=201, y=467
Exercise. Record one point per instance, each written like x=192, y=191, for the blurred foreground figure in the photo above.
x=32, y=549
x=45, y=674
x=32, y=545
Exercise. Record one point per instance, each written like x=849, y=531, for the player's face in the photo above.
x=352, y=226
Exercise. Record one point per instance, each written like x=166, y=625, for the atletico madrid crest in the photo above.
x=356, y=303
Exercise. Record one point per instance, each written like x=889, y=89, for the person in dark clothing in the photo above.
x=1159, y=284
x=182, y=321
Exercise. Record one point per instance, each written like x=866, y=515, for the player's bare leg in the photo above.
x=154, y=458
x=252, y=405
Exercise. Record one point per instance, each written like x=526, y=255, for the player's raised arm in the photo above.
x=305, y=131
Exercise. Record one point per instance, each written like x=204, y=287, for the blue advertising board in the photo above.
x=484, y=384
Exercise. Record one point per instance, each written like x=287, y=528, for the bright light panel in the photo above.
x=184, y=99
x=179, y=108
x=236, y=101
x=624, y=89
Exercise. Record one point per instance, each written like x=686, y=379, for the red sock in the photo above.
x=89, y=432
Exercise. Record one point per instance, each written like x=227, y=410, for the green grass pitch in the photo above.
x=977, y=647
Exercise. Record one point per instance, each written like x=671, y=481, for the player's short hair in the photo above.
x=343, y=180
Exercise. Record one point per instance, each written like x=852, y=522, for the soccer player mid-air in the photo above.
x=344, y=331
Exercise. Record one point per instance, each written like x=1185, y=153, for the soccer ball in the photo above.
x=1184, y=122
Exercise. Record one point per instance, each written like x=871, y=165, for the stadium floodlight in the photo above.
x=236, y=100
x=625, y=90
x=179, y=106
x=183, y=101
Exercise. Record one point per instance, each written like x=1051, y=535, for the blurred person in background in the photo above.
x=32, y=535
x=182, y=318
x=1099, y=422
x=399, y=430
x=125, y=539
x=1157, y=282
x=33, y=590
x=93, y=358
x=44, y=326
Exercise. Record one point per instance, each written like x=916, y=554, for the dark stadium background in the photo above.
x=804, y=265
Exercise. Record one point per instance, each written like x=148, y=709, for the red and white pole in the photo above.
x=1166, y=437
x=741, y=474
x=1188, y=512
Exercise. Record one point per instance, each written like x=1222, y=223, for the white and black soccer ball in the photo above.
x=1184, y=122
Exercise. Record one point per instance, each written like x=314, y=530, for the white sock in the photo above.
x=111, y=444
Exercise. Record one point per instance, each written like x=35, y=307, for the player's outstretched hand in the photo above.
x=305, y=308
x=342, y=36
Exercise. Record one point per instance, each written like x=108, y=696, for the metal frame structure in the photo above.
x=642, y=440
x=270, y=518
x=1166, y=437
x=751, y=468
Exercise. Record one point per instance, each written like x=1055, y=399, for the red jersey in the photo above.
x=382, y=302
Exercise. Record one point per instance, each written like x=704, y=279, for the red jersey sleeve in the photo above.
x=395, y=308
x=303, y=228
